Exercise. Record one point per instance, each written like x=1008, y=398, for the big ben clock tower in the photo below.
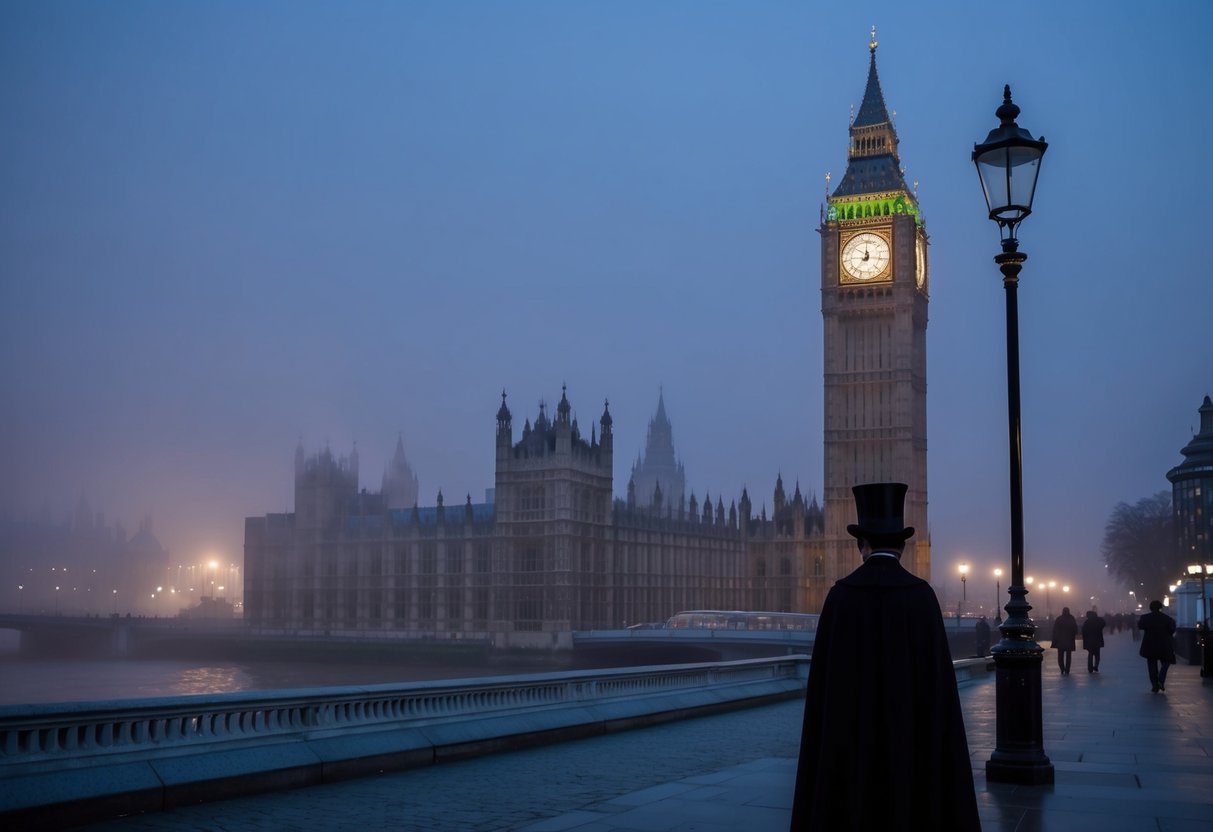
x=874, y=305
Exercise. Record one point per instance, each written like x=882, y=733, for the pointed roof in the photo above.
x=872, y=110
x=1198, y=454
x=660, y=417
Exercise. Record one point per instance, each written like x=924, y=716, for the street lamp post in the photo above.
x=1206, y=656
x=964, y=576
x=997, y=595
x=1049, y=597
x=1008, y=163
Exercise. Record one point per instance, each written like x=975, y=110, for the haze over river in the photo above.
x=31, y=680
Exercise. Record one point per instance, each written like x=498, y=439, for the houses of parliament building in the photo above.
x=554, y=550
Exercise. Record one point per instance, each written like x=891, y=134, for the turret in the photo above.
x=608, y=434
x=505, y=429
x=324, y=487
x=400, y=487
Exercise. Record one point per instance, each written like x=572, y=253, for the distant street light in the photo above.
x=115, y=602
x=997, y=595
x=1008, y=163
x=1049, y=597
x=20, y=595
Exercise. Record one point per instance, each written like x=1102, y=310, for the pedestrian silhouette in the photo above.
x=1157, y=644
x=981, y=632
x=1092, y=639
x=1065, y=629
x=883, y=743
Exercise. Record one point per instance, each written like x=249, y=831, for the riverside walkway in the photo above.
x=1125, y=759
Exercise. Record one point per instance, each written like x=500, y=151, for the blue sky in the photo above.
x=228, y=226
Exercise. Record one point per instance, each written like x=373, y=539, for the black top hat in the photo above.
x=880, y=509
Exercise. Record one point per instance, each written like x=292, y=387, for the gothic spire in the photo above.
x=872, y=111
x=873, y=164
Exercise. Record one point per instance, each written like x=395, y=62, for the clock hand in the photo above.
x=865, y=255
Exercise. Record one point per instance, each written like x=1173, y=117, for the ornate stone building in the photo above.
x=554, y=553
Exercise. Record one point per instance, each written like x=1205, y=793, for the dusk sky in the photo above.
x=229, y=226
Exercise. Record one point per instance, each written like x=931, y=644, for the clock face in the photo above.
x=865, y=256
x=921, y=274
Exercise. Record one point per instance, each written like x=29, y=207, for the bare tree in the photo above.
x=1139, y=545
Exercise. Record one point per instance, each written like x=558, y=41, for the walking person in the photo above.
x=1092, y=639
x=1065, y=629
x=981, y=635
x=1157, y=644
x=883, y=743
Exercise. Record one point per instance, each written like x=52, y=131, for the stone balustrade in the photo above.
x=70, y=762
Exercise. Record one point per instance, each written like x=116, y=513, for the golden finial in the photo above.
x=915, y=190
x=827, y=184
x=852, y=113
x=872, y=44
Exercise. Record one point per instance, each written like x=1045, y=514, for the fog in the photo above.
x=226, y=230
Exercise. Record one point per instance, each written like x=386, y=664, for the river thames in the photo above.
x=30, y=681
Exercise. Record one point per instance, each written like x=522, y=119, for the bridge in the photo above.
x=121, y=637
x=643, y=646
x=110, y=636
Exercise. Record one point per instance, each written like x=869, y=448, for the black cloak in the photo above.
x=883, y=744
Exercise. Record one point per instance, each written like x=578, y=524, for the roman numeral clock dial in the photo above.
x=865, y=257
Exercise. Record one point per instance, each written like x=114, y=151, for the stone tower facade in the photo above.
x=400, y=487
x=553, y=513
x=874, y=304
x=658, y=478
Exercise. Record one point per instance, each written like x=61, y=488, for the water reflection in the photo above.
x=217, y=679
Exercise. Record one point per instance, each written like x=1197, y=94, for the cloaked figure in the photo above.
x=883, y=743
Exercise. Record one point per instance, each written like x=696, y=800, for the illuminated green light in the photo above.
x=886, y=205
